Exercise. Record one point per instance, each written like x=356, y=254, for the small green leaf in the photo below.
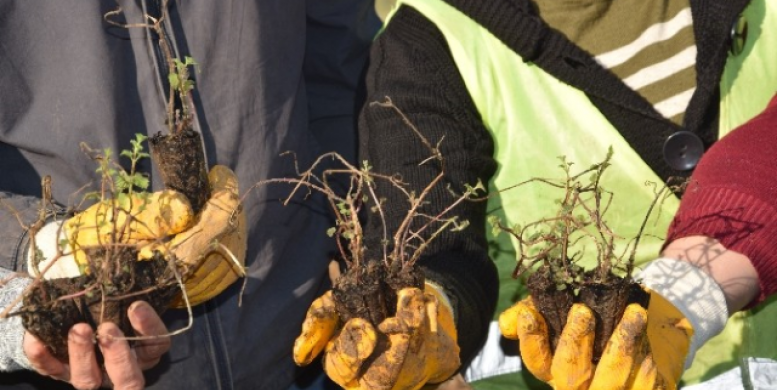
x=39, y=255
x=174, y=80
x=140, y=181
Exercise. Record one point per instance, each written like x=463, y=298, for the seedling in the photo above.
x=545, y=252
x=368, y=287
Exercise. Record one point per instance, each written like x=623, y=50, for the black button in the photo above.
x=738, y=35
x=682, y=150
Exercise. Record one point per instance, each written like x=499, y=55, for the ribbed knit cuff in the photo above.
x=742, y=223
x=691, y=291
x=12, y=355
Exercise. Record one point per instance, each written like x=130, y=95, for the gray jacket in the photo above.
x=275, y=75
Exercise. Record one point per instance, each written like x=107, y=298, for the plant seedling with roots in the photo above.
x=368, y=287
x=104, y=242
x=178, y=153
x=545, y=251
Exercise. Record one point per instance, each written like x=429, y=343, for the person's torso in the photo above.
x=543, y=97
x=68, y=77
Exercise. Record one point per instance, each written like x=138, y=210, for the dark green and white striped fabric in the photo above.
x=654, y=54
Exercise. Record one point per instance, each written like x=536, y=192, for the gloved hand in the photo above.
x=415, y=347
x=649, y=348
x=641, y=353
x=213, y=250
x=210, y=246
x=130, y=220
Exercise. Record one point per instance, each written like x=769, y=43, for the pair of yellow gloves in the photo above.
x=418, y=346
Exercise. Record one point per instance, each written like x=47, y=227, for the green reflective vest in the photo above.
x=535, y=118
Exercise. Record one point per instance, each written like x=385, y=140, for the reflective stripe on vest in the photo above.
x=534, y=119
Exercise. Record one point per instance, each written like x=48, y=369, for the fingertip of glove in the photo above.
x=222, y=178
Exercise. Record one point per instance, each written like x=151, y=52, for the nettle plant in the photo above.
x=550, y=250
x=118, y=181
x=102, y=244
x=178, y=151
x=368, y=287
x=182, y=85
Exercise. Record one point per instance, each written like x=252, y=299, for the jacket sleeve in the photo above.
x=411, y=65
x=16, y=213
x=12, y=355
x=731, y=197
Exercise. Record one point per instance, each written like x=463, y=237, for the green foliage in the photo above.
x=179, y=118
x=179, y=76
x=118, y=183
x=125, y=181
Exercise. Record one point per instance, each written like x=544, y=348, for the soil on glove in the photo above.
x=370, y=291
x=607, y=300
x=51, y=309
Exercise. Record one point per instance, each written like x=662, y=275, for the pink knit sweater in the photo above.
x=732, y=196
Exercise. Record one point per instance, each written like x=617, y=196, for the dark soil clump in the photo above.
x=53, y=307
x=554, y=303
x=607, y=300
x=181, y=162
x=370, y=292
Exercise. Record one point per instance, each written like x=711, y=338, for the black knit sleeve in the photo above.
x=411, y=65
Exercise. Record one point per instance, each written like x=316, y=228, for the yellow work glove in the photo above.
x=208, y=247
x=129, y=220
x=649, y=348
x=415, y=347
x=212, y=251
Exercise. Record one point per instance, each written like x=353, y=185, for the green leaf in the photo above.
x=39, y=255
x=140, y=181
x=331, y=231
x=63, y=244
x=140, y=137
x=174, y=80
